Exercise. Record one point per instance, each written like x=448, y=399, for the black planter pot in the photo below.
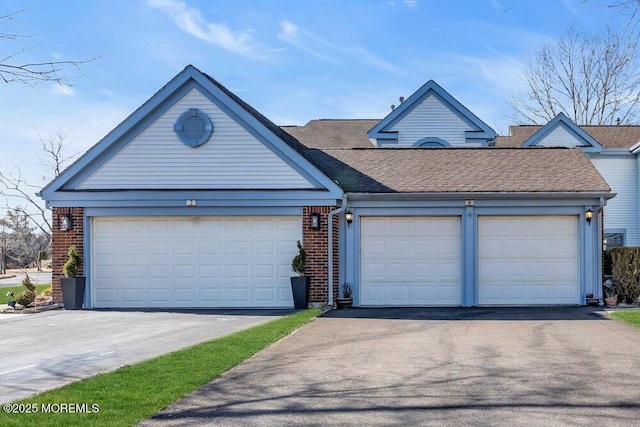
x=344, y=302
x=300, y=289
x=72, y=292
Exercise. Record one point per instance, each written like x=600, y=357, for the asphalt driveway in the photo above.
x=46, y=350
x=545, y=366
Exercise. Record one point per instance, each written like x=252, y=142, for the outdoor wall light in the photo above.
x=314, y=221
x=348, y=215
x=66, y=222
x=588, y=215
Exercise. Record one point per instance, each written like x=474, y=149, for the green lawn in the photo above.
x=631, y=317
x=17, y=290
x=130, y=394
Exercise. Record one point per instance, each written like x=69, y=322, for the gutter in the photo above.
x=330, y=241
x=483, y=195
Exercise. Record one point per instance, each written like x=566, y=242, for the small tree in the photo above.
x=298, y=262
x=29, y=295
x=70, y=268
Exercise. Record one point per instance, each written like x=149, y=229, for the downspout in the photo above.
x=330, y=240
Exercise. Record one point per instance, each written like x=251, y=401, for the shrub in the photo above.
x=626, y=273
x=298, y=261
x=26, y=282
x=28, y=296
x=70, y=268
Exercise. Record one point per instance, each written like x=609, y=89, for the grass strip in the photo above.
x=133, y=393
x=631, y=317
x=18, y=290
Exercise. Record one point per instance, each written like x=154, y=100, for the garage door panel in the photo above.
x=159, y=295
x=159, y=248
x=238, y=295
x=524, y=260
x=210, y=271
x=184, y=271
x=423, y=247
x=263, y=248
x=262, y=271
x=132, y=295
x=193, y=262
x=398, y=270
x=211, y=295
x=263, y=294
x=410, y=261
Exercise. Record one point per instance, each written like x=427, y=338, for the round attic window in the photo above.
x=193, y=127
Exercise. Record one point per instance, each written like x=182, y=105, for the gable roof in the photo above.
x=460, y=170
x=587, y=143
x=235, y=107
x=381, y=129
x=609, y=136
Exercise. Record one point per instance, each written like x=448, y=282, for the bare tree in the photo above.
x=13, y=185
x=592, y=78
x=627, y=8
x=54, y=154
x=14, y=71
x=23, y=244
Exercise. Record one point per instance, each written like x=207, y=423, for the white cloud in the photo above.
x=290, y=33
x=316, y=46
x=61, y=89
x=411, y=3
x=189, y=19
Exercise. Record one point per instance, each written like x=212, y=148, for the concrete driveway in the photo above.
x=560, y=366
x=46, y=350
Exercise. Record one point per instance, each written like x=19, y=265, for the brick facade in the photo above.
x=60, y=242
x=316, y=244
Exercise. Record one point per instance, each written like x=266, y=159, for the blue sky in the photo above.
x=292, y=60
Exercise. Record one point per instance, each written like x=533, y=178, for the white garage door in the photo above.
x=528, y=260
x=410, y=261
x=193, y=261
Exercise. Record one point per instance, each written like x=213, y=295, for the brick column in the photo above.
x=316, y=243
x=60, y=242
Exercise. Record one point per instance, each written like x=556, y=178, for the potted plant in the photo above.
x=300, y=283
x=610, y=295
x=72, y=285
x=345, y=301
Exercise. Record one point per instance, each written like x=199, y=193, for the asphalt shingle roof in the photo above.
x=331, y=134
x=416, y=170
x=341, y=149
x=624, y=136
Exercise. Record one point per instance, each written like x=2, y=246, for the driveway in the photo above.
x=46, y=350
x=544, y=366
